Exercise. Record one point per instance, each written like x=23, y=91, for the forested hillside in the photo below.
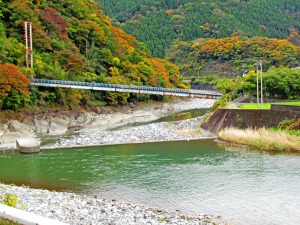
x=72, y=40
x=207, y=60
x=158, y=23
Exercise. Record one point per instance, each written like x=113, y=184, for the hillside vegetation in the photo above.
x=158, y=23
x=72, y=40
x=206, y=60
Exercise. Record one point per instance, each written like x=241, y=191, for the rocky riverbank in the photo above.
x=101, y=127
x=84, y=210
x=164, y=131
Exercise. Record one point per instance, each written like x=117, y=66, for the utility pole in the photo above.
x=28, y=44
x=261, y=83
x=257, y=84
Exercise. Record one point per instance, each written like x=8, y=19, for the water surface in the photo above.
x=195, y=177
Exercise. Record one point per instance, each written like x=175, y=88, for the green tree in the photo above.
x=15, y=100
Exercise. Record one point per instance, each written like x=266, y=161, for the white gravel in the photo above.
x=164, y=131
x=90, y=210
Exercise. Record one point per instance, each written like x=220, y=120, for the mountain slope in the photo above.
x=207, y=60
x=73, y=40
x=158, y=23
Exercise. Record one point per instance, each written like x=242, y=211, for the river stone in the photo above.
x=58, y=126
x=41, y=126
x=16, y=126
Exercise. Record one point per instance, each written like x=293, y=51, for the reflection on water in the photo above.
x=195, y=177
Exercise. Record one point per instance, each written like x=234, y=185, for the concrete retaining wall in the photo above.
x=25, y=218
x=283, y=108
x=242, y=118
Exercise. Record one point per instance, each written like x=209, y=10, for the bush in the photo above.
x=10, y=200
x=286, y=124
x=15, y=100
x=222, y=102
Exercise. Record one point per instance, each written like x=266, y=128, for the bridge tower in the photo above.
x=28, y=45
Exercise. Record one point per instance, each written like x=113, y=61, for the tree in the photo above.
x=230, y=86
x=13, y=87
x=15, y=100
x=282, y=83
x=12, y=78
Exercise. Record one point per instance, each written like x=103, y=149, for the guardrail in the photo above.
x=128, y=88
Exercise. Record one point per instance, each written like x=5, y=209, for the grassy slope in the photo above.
x=262, y=139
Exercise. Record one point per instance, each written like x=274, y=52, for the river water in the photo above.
x=195, y=177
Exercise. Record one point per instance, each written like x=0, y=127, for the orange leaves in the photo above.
x=169, y=11
x=124, y=41
x=160, y=75
x=256, y=47
x=218, y=46
x=12, y=78
x=93, y=26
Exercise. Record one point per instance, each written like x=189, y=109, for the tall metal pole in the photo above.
x=257, y=84
x=26, y=42
x=261, y=83
x=31, y=48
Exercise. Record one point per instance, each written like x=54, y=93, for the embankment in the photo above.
x=243, y=118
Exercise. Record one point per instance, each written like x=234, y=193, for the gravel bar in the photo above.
x=77, y=209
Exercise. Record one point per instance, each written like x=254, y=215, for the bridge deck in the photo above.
x=127, y=88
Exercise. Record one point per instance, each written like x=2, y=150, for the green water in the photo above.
x=194, y=177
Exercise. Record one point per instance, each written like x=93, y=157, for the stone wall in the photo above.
x=242, y=118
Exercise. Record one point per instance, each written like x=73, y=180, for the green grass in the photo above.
x=288, y=103
x=7, y=222
x=255, y=106
x=267, y=106
x=290, y=132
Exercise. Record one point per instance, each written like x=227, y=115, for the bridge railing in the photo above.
x=129, y=87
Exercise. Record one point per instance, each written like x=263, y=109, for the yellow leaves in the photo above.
x=116, y=61
x=124, y=41
x=38, y=61
x=94, y=26
x=114, y=71
x=195, y=45
x=229, y=48
x=130, y=50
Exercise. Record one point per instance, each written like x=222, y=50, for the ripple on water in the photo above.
x=195, y=177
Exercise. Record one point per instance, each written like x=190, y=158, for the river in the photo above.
x=195, y=177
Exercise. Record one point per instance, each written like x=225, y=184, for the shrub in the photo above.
x=286, y=124
x=10, y=200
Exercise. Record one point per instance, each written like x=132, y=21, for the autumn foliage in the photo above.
x=58, y=21
x=279, y=52
x=12, y=79
x=73, y=40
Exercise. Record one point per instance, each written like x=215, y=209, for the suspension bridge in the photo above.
x=190, y=93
